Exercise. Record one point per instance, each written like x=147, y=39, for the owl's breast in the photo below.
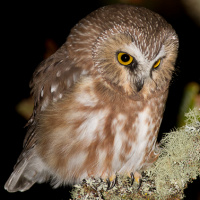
x=85, y=134
x=138, y=143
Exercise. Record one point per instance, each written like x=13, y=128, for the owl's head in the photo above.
x=133, y=49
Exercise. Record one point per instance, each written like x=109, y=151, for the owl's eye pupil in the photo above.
x=125, y=57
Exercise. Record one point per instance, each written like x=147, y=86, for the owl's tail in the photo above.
x=28, y=170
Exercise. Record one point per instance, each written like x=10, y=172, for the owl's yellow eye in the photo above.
x=157, y=63
x=124, y=58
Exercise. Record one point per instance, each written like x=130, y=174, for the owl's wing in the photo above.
x=51, y=80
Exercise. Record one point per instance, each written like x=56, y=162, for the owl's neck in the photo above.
x=115, y=94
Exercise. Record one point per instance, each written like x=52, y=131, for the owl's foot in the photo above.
x=111, y=181
x=137, y=177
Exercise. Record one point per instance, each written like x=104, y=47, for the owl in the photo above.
x=99, y=100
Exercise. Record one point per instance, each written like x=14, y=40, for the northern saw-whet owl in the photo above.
x=99, y=100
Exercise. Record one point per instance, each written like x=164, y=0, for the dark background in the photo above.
x=25, y=27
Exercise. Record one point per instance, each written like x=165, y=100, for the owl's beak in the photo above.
x=139, y=84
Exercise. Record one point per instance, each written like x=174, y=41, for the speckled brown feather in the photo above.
x=69, y=142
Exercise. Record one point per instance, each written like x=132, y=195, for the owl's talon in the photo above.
x=140, y=183
x=132, y=178
x=111, y=183
x=137, y=178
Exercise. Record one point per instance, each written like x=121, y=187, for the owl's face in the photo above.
x=122, y=63
x=134, y=52
x=124, y=66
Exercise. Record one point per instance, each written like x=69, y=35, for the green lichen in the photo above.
x=179, y=160
x=177, y=165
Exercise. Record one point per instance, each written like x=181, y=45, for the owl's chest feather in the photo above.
x=145, y=132
x=124, y=134
x=99, y=137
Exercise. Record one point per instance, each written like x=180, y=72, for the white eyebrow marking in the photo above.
x=133, y=50
x=160, y=54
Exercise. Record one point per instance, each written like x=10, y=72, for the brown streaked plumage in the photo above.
x=99, y=100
